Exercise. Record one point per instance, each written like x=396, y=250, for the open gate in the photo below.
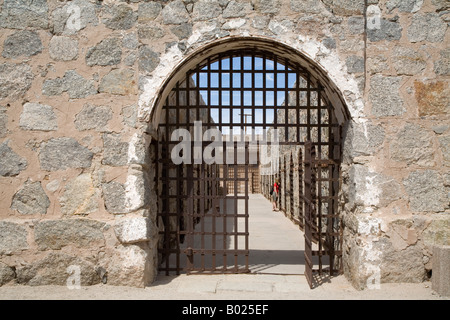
x=323, y=225
x=203, y=205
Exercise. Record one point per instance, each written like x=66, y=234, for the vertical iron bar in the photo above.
x=246, y=207
x=177, y=202
x=308, y=214
x=202, y=212
x=236, y=207
x=286, y=101
x=190, y=217
x=167, y=195
x=264, y=108
x=214, y=212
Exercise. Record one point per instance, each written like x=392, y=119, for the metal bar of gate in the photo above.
x=246, y=237
x=308, y=214
x=190, y=218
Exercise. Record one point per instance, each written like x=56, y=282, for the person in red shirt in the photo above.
x=275, y=194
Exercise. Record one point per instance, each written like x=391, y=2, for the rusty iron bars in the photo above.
x=222, y=230
x=322, y=223
x=253, y=173
x=291, y=188
x=309, y=201
x=203, y=208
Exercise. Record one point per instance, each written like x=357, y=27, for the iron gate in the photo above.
x=202, y=221
x=248, y=94
x=323, y=226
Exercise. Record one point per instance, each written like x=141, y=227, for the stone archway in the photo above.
x=154, y=104
x=216, y=51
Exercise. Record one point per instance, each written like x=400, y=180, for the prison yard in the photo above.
x=140, y=142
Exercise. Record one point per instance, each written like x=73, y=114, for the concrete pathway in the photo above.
x=276, y=245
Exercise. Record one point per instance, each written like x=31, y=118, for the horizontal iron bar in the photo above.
x=252, y=124
x=227, y=252
x=215, y=233
x=327, y=253
x=230, y=270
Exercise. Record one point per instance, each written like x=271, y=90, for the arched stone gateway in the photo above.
x=84, y=90
x=265, y=90
x=261, y=44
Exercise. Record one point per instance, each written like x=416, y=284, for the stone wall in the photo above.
x=79, y=88
x=398, y=194
x=75, y=189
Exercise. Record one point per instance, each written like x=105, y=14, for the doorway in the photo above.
x=231, y=125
